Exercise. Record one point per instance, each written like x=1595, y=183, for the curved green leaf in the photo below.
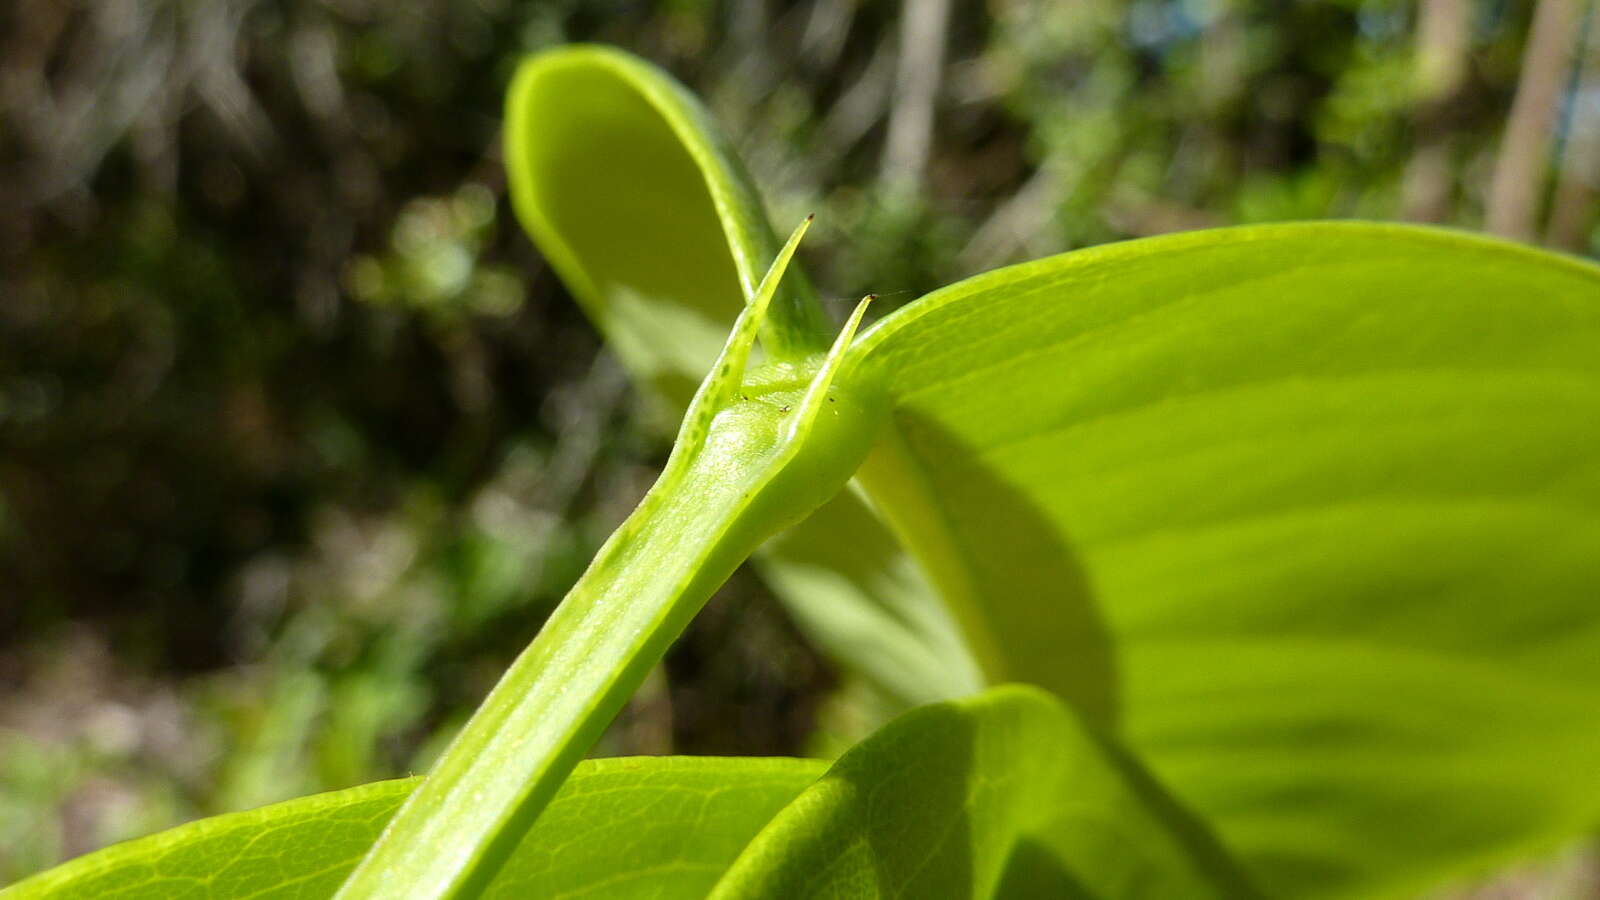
x=1310, y=514
x=1001, y=795
x=636, y=827
x=637, y=202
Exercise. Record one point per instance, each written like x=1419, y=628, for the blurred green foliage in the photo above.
x=299, y=440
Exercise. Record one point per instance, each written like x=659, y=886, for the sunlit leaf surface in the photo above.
x=1309, y=513
x=636, y=827
x=1001, y=795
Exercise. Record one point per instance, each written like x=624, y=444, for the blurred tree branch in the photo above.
x=922, y=38
x=1514, y=192
x=1444, y=37
x=1574, y=206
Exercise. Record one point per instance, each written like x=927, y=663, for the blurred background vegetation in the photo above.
x=300, y=440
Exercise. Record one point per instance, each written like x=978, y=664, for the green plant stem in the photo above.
x=647, y=583
x=750, y=459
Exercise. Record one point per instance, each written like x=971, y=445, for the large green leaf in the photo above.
x=640, y=206
x=1310, y=514
x=1001, y=795
x=636, y=827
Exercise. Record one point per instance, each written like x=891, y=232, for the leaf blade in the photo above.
x=618, y=173
x=1375, y=435
x=1002, y=794
x=677, y=822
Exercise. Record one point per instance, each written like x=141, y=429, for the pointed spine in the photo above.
x=727, y=373
x=817, y=392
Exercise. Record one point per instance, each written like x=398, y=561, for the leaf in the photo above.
x=661, y=827
x=638, y=203
x=1309, y=514
x=1001, y=795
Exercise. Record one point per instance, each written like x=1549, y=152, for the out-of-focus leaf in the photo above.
x=639, y=205
x=657, y=827
x=1000, y=795
x=1309, y=514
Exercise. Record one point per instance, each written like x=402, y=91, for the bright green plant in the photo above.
x=1294, y=529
